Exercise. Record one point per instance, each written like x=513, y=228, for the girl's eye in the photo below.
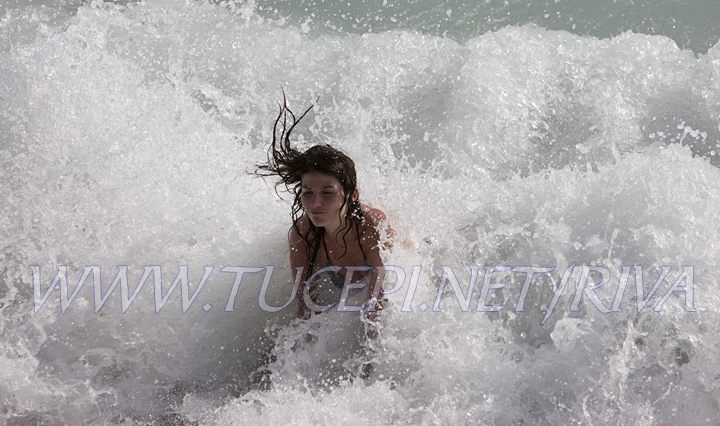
x=324, y=194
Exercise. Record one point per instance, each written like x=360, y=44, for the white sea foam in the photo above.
x=126, y=136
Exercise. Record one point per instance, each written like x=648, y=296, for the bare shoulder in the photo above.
x=298, y=252
x=373, y=216
x=294, y=237
x=376, y=222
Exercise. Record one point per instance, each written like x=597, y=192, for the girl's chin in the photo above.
x=318, y=222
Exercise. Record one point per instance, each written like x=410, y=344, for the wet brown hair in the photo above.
x=290, y=164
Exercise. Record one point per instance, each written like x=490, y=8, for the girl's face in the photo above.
x=322, y=199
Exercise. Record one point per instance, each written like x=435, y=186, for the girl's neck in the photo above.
x=333, y=230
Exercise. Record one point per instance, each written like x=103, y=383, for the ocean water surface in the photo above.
x=492, y=133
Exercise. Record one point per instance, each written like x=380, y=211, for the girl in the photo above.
x=334, y=239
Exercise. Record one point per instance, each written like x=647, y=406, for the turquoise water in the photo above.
x=491, y=133
x=690, y=24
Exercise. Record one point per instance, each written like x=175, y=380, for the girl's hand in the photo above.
x=370, y=313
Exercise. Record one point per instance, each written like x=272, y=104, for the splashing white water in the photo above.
x=126, y=138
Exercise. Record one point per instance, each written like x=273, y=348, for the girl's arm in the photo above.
x=298, y=259
x=372, y=240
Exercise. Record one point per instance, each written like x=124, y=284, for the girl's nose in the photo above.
x=315, y=200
